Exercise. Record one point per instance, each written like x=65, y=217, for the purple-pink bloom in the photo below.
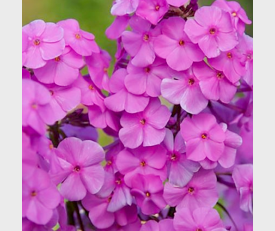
x=83, y=133
x=204, y=137
x=163, y=225
x=45, y=42
x=148, y=193
x=122, y=99
x=147, y=80
x=213, y=83
x=212, y=29
x=118, y=26
x=39, y=197
x=200, y=191
x=146, y=127
x=177, y=3
x=180, y=169
x=238, y=15
x=139, y=42
x=81, y=170
x=122, y=7
x=200, y=219
x=82, y=42
x=144, y=161
x=230, y=64
x=152, y=10
x=175, y=46
x=25, y=44
x=62, y=70
x=184, y=89
x=243, y=179
x=35, y=98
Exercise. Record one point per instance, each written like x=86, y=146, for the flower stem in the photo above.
x=228, y=214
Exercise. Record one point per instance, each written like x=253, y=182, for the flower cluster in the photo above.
x=178, y=106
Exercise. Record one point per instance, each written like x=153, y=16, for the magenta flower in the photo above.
x=45, y=42
x=153, y=10
x=180, y=169
x=144, y=161
x=200, y=219
x=35, y=98
x=175, y=46
x=81, y=168
x=201, y=191
x=184, y=89
x=163, y=225
x=148, y=191
x=212, y=29
x=83, y=133
x=63, y=70
x=143, y=127
x=122, y=7
x=213, y=83
x=139, y=42
x=177, y=3
x=25, y=44
x=243, y=178
x=204, y=137
x=230, y=63
x=122, y=99
x=80, y=41
x=238, y=15
x=147, y=80
x=118, y=26
x=39, y=197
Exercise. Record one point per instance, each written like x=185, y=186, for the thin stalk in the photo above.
x=78, y=216
x=228, y=214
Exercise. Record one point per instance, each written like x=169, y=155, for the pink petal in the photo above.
x=132, y=42
x=126, y=162
x=179, y=60
x=228, y=157
x=226, y=41
x=131, y=137
x=52, y=50
x=52, y=33
x=145, y=56
x=135, y=103
x=195, y=150
x=213, y=150
x=93, y=178
x=152, y=136
x=164, y=46
x=210, y=46
x=195, y=31
x=136, y=83
x=172, y=90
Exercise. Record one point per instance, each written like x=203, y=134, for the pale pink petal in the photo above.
x=163, y=46
x=92, y=177
x=131, y=137
x=52, y=33
x=178, y=59
x=52, y=50
x=152, y=136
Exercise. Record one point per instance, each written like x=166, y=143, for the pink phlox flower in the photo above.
x=238, y=15
x=163, y=225
x=139, y=42
x=62, y=70
x=148, y=193
x=122, y=99
x=134, y=226
x=153, y=10
x=204, y=137
x=111, y=156
x=98, y=64
x=175, y=46
x=90, y=93
x=180, y=169
x=177, y=3
x=25, y=43
x=205, y=219
x=122, y=7
x=143, y=161
x=45, y=42
x=212, y=30
x=82, y=42
x=184, y=89
x=147, y=80
x=35, y=98
x=200, y=191
x=81, y=170
x=118, y=26
x=143, y=127
x=39, y=197
x=230, y=64
x=243, y=178
x=214, y=83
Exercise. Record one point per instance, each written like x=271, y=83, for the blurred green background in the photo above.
x=93, y=16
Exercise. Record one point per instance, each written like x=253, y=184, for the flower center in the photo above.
x=146, y=37
x=249, y=56
x=191, y=81
x=91, y=87
x=234, y=14
x=33, y=193
x=181, y=42
x=118, y=182
x=51, y=92
x=191, y=190
x=109, y=162
x=147, y=69
x=34, y=106
x=147, y=194
x=173, y=157
x=142, y=163
x=157, y=7
x=220, y=75
x=212, y=31
x=105, y=69
x=229, y=55
x=36, y=42
x=109, y=199
x=204, y=136
x=143, y=121
x=57, y=59
x=51, y=146
x=78, y=36
x=77, y=168
x=199, y=230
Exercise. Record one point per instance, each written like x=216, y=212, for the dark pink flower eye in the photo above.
x=36, y=42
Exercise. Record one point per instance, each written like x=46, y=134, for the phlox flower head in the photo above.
x=212, y=30
x=45, y=42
